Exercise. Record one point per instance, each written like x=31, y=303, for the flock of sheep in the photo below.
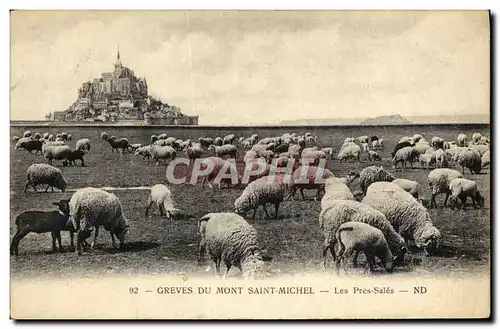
x=380, y=221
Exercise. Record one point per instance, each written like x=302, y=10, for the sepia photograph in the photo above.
x=250, y=164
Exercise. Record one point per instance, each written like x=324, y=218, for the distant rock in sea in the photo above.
x=395, y=119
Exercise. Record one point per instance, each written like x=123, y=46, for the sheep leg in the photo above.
x=201, y=253
x=47, y=188
x=265, y=210
x=95, y=238
x=26, y=186
x=355, y=260
x=254, y=211
x=58, y=237
x=344, y=259
x=217, y=266
x=21, y=233
x=228, y=267
x=276, y=208
x=150, y=203
x=433, y=200
x=302, y=193
x=339, y=258
x=326, y=245
x=113, y=243
x=72, y=238
x=446, y=199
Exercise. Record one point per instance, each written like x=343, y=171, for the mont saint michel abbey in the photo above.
x=120, y=96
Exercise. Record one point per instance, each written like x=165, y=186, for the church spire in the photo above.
x=118, y=63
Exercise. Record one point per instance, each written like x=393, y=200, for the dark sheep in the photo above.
x=44, y=222
x=32, y=145
x=119, y=143
x=400, y=146
x=373, y=138
x=74, y=155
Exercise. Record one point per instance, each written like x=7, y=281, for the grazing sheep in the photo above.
x=349, y=140
x=37, y=136
x=417, y=137
x=362, y=139
x=374, y=156
x=399, y=146
x=404, y=155
x=462, y=188
x=482, y=149
x=377, y=145
x=485, y=159
x=439, y=181
x=462, y=140
x=405, y=139
x=43, y=222
x=471, y=159
x=266, y=154
x=260, y=192
x=427, y=160
x=335, y=189
x=313, y=179
x=83, y=144
x=41, y=173
x=409, y=186
x=229, y=238
x=250, y=156
x=162, y=197
x=218, y=165
x=360, y=237
x=349, y=152
x=373, y=138
x=328, y=151
x=408, y=216
x=46, y=136
x=220, y=151
x=205, y=141
x=153, y=139
x=15, y=139
x=161, y=142
x=71, y=157
x=27, y=133
x=422, y=147
x=162, y=152
x=92, y=207
x=372, y=174
x=29, y=145
x=56, y=152
x=51, y=138
x=339, y=212
x=313, y=156
x=144, y=151
x=194, y=152
x=441, y=159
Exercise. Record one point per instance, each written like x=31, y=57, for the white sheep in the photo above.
x=162, y=152
x=313, y=179
x=404, y=155
x=482, y=149
x=83, y=144
x=377, y=145
x=462, y=140
x=162, y=197
x=471, y=159
x=427, y=160
x=360, y=237
x=144, y=151
x=462, y=188
x=485, y=159
x=229, y=238
x=56, y=152
x=41, y=173
x=373, y=156
x=362, y=139
x=27, y=133
x=339, y=212
x=417, y=137
x=92, y=207
x=365, y=147
x=228, y=149
x=408, y=216
x=194, y=152
x=372, y=174
x=328, y=151
x=335, y=189
x=476, y=137
x=228, y=139
x=349, y=152
x=439, y=181
x=264, y=190
x=441, y=159
x=409, y=186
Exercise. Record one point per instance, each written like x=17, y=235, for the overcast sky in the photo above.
x=259, y=67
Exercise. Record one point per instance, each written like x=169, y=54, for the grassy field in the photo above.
x=155, y=245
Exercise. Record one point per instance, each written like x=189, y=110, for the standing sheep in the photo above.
x=373, y=174
x=41, y=173
x=220, y=151
x=404, y=155
x=339, y=212
x=462, y=189
x=83, y=144
x=349, y=152
x=229, y=238
x=471, y=159
x=92, y=207
x=144, y=151
x=43, y=222
x=439, y=181
x=194, y=152
x=162, y=197
x=264, y=190
x=427, y=160
x=360, y=237
x=313, y=179
x=162, y=152
x=408, y=216
x=462, y=140
x=374, y=156
x=441, y=159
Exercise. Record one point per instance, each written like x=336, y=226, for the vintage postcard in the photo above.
x=250, y=165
